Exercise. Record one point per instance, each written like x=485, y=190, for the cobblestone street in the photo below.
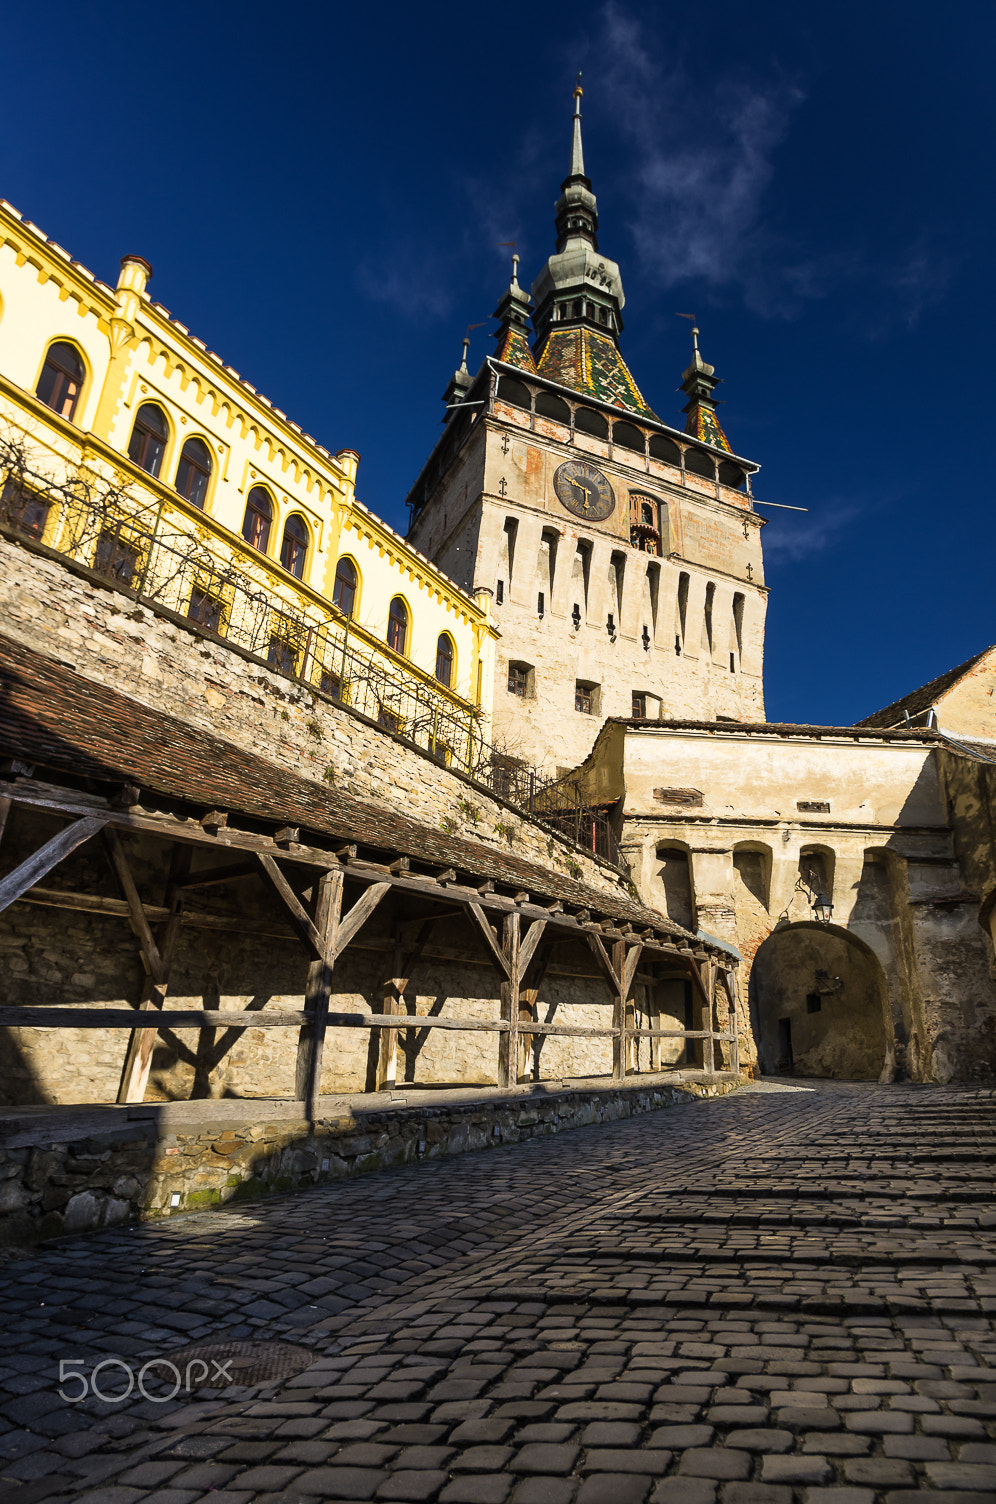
x=783, y=1296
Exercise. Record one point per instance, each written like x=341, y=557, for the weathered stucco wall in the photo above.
x=502, y=480
x=735, y=833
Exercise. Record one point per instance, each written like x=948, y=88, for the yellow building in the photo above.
x=129, y=447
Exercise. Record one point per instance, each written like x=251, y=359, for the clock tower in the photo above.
x=623, y=553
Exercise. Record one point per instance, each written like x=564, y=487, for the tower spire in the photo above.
x=577, y=151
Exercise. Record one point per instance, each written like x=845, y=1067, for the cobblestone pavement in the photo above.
x=776, y=1297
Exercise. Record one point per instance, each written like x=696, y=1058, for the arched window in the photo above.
x=193, y=471
x=148, y=438
x=587, y=421
x=61, y=380
x=294, y=549
x=344, y=589
x=514, y=393
x=397, y=625
x=550, y=406
x=444, y=659
x=697, y=462
x=257, y=520
x=661, y=448
x=628, y=437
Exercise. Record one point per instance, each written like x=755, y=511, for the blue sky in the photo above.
x=321, y=190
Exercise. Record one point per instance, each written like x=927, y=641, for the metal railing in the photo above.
x=231, y=598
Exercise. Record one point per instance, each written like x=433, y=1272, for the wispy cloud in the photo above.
x=415, y=286
x=703, y=165
x=704, y=162
x=791, y=536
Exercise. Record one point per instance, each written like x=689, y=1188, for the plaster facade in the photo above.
x=135, y=357
x=738, y=830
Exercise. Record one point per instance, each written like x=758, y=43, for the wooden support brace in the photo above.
x=299, y=916
x=498, y=955
x=157, y=956
x=35, y=867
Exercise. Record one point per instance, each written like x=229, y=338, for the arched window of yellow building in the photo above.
x=444, y=659
x=61, y=380
x=397, y=625
x=194, y=471
x=294, y=549
x=148, y=438
x=344, y=589
x=257, y=520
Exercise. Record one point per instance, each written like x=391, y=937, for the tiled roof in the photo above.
x=52, y=716
x=514, y=350
x=703, y=424
x=589, y=362
x=919, y=700
x=782, y=728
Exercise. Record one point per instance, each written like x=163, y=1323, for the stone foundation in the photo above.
x=79, y=1170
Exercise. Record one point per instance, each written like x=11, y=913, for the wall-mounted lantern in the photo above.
x=822, y=909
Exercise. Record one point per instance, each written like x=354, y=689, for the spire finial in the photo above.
x=577, y=154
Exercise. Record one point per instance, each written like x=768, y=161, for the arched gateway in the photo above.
x=819, y=1004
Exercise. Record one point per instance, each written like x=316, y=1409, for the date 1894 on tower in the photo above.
x=584, y=490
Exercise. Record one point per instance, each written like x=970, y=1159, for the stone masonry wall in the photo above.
x=131, y=1164
x=105, y=635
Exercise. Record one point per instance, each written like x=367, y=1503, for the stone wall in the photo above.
x=128, y=1164
x=50, y=956
x=105, y=635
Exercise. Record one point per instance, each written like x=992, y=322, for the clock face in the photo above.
x=584, y=490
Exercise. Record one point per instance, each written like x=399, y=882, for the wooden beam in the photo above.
x=604, y=964
x=480, y=919
x=358, y=915
x=569, y=1031
x=629, y=969
x=87, y=903
x=299, y=916
x=138, y=1055
x=73, y=804
x=150, y=950
x=4, y=812
x=48, y=856
x=395, y=987
x=83, y=1017
x=231, y=873
x=508, y=1044
x=528, y=947
x=311, y=1040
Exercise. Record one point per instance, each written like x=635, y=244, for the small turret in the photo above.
x=512, y=334
x=698, y=382
x=460, y=383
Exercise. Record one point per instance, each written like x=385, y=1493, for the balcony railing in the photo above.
x=226, y=594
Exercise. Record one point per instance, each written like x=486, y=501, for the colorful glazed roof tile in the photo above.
x=589, y=362
x=513, y=349
x=703, y=424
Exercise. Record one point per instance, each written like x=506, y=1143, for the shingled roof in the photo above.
x=53, y=716
x=920, y=700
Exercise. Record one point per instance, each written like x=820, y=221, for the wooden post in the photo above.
x=508, y=1042
x=654, y=1014
x=311, y=1040
x=707, y=973
x=156, y=958
x=729, y=980
x=4, y=812
x=395, y=987
x=619, y=1013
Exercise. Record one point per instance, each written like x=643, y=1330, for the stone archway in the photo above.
x=819, y=1004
